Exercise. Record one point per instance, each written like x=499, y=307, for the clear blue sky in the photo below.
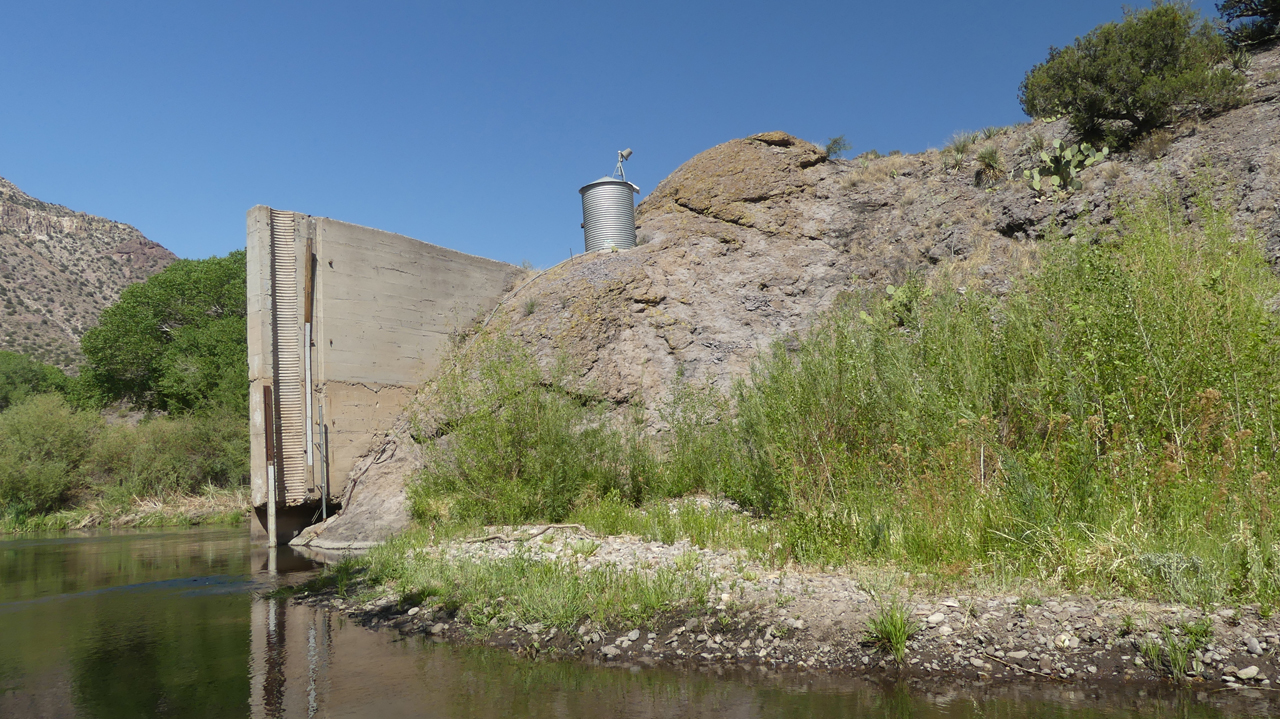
x=471, y=124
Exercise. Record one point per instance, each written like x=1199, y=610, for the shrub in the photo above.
x=21, y=377
x=1250, y=22
x=837, y=146
x=1153, y=146
x=166, y=455
x=1126, y=78
x=42, y=444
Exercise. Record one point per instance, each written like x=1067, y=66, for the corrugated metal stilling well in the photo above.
x=609, y=214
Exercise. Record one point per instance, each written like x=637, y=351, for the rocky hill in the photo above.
x=744, y=243
x=59, y=269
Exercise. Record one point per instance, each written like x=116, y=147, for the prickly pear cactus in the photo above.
x=1061, y=166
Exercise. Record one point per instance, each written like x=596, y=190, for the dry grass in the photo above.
x=1153, y=146
x=873, y=172
x=214, y=505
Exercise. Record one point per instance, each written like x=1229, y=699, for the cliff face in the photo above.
x=59, y=269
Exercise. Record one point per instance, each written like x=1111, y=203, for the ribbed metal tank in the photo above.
x=609, y=214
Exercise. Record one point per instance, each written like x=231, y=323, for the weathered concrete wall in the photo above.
x=382, y=309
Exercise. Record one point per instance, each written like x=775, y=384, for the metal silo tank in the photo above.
x=609, y=214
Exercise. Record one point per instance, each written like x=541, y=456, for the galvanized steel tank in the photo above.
x=609, y=214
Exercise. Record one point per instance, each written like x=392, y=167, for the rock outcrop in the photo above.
x=744, y=243
x=59, y=269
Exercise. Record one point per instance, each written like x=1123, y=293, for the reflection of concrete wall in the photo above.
x=382, y=308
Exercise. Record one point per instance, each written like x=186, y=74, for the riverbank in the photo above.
x=690, y=607
x=213, y=505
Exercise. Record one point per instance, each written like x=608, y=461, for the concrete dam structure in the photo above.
x=344, y=323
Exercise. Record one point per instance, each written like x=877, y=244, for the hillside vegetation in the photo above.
x=169, y=360
x=1109, y=424
x=58, y=270
x=970, y=372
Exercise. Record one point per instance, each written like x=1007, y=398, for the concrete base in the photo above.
x=290, y=521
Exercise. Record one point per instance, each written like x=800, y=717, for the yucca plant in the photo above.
x=958, y=148
x=990, y=167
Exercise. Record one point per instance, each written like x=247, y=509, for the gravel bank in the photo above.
x=761, y=619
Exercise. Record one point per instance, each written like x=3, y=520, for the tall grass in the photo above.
x=518, y=447
x=1113, y=423
x=1110, y=424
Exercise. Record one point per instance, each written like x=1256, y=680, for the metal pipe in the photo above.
x=324, y=497
x=306, y=371
x=323, y=446
x=269, y=423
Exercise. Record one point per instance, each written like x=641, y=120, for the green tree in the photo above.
x=1249, y=22
x=1125, y=78
x=175, y=342
x=21, y=377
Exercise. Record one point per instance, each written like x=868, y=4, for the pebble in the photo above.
x=1020, y=654
x=1252, y=645
x=1248, y=672
x=414, y=611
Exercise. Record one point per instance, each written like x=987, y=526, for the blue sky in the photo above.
x=472, y=125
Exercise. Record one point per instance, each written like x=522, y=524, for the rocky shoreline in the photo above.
x=763, y=620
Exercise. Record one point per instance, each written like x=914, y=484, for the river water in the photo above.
x=167, y=623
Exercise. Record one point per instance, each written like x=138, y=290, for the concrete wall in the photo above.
x=383, y=307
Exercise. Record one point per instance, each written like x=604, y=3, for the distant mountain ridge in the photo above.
x=59, y=269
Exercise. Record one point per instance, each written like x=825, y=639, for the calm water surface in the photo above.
x=166, y=623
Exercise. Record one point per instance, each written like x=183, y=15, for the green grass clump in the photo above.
x=1173, y=652
x=891, y=627
x=520, y=589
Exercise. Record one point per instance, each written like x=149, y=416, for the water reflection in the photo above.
x=167, y=624
x=129, y=624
